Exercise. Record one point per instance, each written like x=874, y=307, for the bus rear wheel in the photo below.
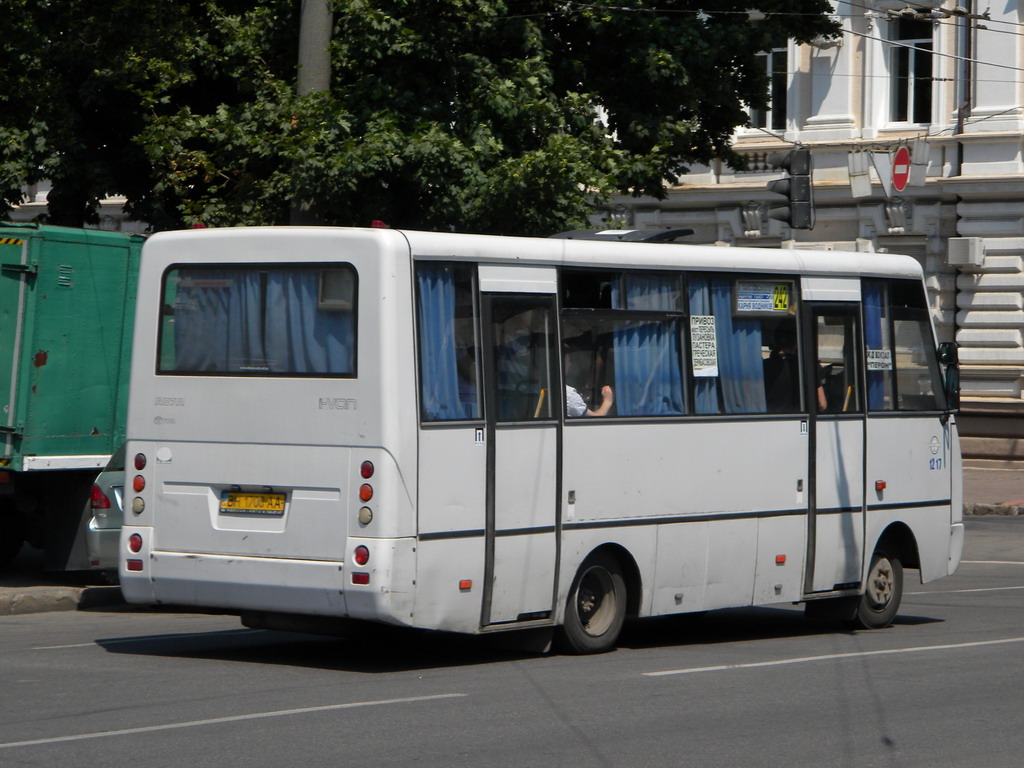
x=883, y=591
x=596, y=608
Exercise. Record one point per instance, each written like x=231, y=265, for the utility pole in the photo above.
x=316, y=23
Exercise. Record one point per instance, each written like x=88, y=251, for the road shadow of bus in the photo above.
x=377, y=649
x=738, y=624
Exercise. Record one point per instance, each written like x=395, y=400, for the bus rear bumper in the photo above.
x=236, y=583
x=241, y=583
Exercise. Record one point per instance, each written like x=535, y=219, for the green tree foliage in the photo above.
x=474, y=115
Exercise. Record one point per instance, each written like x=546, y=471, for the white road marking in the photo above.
x=179, y=636
x=993, y=562
x=833, y=657
x=219, y=720
x=963, y=591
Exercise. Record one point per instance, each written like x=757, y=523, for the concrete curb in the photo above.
x=1001, y=510
x=44, y=599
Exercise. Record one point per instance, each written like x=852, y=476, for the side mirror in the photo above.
x=950, y=358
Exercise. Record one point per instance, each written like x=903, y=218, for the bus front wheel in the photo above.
x=596, y=608
x=883, y=591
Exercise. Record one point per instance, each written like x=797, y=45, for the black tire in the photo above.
x=12, y=536
x=883, y=591
x=596, y=607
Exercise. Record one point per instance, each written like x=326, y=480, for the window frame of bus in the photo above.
x=166, y=313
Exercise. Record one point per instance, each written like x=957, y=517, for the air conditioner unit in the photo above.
x=966, y=251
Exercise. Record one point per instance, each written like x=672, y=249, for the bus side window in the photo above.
x=902, y=367
x=838, y=387
x=753, y=365
x=624, y=330
x=448, y=347
x=878, y=343
x=782, y=366
x=918, y=381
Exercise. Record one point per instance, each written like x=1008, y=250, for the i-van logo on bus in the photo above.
x=337, y=404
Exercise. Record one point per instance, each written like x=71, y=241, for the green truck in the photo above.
x=67, y=305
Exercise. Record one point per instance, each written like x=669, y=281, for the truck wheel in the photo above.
x=12, y=536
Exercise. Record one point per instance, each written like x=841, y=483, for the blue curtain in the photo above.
x=439, y=371
x=705, y=387
x=218, y=321
x=873, y=316
x=301, y=338
x=740, y=363
x=648, y=371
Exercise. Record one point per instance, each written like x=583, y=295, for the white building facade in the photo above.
x=943, y=79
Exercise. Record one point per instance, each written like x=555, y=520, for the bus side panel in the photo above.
x=451, y=512
x=443, y=598
x=781, y=551
x=710, y=482
x=679, y=575
x=914, y=456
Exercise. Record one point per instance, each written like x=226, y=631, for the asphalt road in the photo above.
x=758, y=687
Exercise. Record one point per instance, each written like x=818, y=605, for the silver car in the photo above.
x=104, y=532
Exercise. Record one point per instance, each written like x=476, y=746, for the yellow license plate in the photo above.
x=269, y=504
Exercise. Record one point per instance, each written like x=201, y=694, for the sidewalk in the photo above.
x=26, y=588
x=990, y=488
x=993, y=488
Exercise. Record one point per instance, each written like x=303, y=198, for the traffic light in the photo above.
x=799, y=214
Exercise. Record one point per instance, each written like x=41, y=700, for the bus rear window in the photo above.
x=255, y=320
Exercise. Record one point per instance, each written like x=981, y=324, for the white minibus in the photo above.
x=481, y=434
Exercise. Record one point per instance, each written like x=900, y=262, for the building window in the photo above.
x=776, y=64
x=910, y=68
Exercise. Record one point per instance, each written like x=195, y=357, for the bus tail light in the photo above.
x=140, y=461
x=133, y=565
x=135, y=543
x=362, y=555
x=360, y=578
x=366, y=470
x=99, y=499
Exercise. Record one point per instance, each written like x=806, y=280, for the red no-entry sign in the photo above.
x=901, y=169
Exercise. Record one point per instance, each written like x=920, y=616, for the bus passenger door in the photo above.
x=835, y=536
x=522, y=402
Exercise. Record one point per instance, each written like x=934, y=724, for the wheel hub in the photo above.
x=880, y=584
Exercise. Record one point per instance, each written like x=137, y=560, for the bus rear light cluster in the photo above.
x=137, y=506
x=361, y=556
x=138, y=484
x=366, y=470
x=134, y=546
